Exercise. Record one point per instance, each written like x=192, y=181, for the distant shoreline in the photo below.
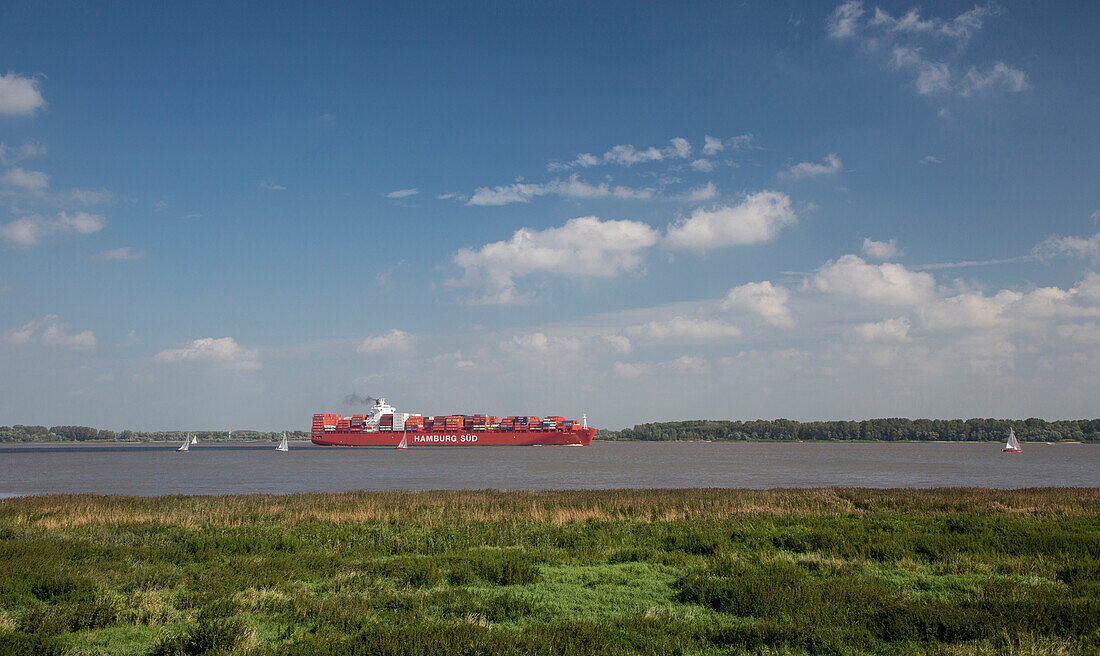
x=597, y=440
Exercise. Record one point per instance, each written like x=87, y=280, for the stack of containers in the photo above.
x=551, y=423
x=343, y=425
x=520, y=424
x=452, y=423
x=399, y=419
x=414, y=423
x=508, y=423
x=534, y=423
x=385, y=424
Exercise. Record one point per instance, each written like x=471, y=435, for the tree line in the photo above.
x=20, y=433
x=885, y=430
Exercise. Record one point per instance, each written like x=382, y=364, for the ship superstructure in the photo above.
x=384, y=426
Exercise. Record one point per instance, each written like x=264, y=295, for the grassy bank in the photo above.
x=604, y=572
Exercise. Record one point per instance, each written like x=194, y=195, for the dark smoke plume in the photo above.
x=355, y=399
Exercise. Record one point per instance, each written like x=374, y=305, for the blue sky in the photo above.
x=216, y=216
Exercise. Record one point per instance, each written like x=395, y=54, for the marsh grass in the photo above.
x=832, y=571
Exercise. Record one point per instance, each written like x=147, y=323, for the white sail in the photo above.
x=195, y=439
x=1012, y=444
x=404, y=443
x=283, y=446
x=186, y=446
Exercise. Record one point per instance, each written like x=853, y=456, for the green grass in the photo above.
x=838, y=571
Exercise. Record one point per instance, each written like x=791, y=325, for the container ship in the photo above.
x=384, y=426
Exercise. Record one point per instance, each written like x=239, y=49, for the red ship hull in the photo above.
x=577, y=437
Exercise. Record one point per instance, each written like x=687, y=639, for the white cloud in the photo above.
x=680, y=329
x=403, y=193
x=931, y=159
x=19, y=95
x=764, y=299
x=699, y=194
x=223, y=351
x=573, y=187
x=91, y=196
x=831, y=164
x=712, y=146
x=539, y=343
x=688, y=364
x=394, y=340
x=29, y=230
x=585, y=246
x=704, y=165
x=1085, y=333
x=1056, y=245
x=880, y=250
x=29, y=180
x=629, y=370
x=759, y=218
x=266, y=184
x=1000, y=75
x=619, y=343
x=50, y=331
x=29, y=149
x=628, y=155
x=889, y=284
x=844, y=21
x=123, y=253
x=901, y=43
x=896, y=330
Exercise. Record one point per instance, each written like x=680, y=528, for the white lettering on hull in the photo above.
x=444, y=439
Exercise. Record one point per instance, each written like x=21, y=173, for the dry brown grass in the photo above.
x=437, y=508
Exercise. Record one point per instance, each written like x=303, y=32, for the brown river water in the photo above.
x=156, y=469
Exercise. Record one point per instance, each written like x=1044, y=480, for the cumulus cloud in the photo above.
x=702, y=193
x=403, y=193
x=831, y=164
x=19, y=96
x=880, y=250
x=224, y=351
x=50, y=331
x=680, y=329
x=28, y=180
x=896, y=330
x=704, y=165
x=759, y=218
x=539, y=343
x=688, y=364
x=573, y=187
x=764, y=299
x=712, y=145
x=1085, y=333
x=584, y=246
x=29, y=230
x=888, y=284
x=619, y=343
x=394, y=340
x=630, y=370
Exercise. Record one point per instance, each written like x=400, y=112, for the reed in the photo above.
x=838, y=571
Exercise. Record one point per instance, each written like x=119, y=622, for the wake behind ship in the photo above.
x=384, y=426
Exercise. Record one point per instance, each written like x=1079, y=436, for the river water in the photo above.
x=156, y=469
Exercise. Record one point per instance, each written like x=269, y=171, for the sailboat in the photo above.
x=195, y=439
x=1012, y=445
x=404, y=443
x=283, y=446
x=186, y=446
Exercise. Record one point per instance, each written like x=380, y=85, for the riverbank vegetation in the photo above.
x=882, y=430
x=829, y=571
x=20, y=433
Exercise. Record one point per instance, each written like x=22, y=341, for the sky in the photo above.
x=237, y=216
